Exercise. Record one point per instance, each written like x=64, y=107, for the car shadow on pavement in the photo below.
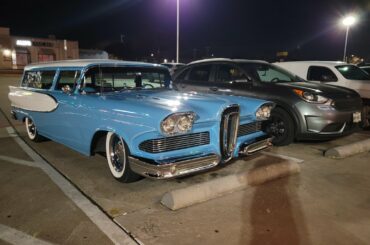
x=275, y=215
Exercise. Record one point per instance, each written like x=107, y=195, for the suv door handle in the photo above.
x=213, y=88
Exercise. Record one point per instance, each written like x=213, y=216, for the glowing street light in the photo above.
x=347, y=22
x=178, y=32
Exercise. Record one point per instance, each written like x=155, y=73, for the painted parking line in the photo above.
x=18, y=161
x=283, y=157
x=14, y=236
x=100, y=219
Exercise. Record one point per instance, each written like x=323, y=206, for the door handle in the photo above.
x=213, y=89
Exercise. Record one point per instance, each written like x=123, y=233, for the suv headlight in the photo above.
x=311, y=97
x=264, y=112
x=178, y=123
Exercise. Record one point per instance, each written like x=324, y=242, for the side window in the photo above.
x=38, y=79
x=67, y=80
x=320, y=73
x=182, y=74
x=227, y=73
x=267, y=73
x=200, y=73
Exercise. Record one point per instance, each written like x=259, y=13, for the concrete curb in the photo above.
x=188, y=196
x=348, y=150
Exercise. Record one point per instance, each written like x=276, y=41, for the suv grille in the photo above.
x=249, y=128
x=229, y=131
x=175, y=142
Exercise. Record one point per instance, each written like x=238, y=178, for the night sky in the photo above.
x=225, y=28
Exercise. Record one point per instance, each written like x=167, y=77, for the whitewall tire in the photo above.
x=32, y=132
x=117, y=157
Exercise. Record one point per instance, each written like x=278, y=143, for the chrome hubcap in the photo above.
x=31, y=127
x=117, y=153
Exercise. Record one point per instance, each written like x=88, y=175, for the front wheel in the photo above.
x=117, y=158
x=282, y=127
x=32, y=132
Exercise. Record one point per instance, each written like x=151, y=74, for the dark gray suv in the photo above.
x=304, y=110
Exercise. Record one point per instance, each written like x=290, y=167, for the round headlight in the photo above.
x=264, y=112
x=178, y=123
x=168, y=125
x=185, y=123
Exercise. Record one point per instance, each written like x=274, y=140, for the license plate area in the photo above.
x=357, y=117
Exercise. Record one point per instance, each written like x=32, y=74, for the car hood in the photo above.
x=324, y=89
x=158, y=104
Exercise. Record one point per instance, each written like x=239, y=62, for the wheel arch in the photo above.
x=98, y=140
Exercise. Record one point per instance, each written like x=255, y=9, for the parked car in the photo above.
x=126, y=110
x=173, y=67
x=335, y=73
x=304, y=110
x=366, y=68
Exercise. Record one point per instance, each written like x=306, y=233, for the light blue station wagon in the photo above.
x=128, y=111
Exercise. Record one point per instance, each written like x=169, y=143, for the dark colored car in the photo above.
x=304, y=110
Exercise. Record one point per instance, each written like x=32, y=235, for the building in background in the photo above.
x=93, y=54
x=16, y=51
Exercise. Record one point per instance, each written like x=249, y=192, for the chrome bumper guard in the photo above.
x=250, y=149
x=175, y=168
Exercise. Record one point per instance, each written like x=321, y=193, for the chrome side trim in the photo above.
x=255, y=147
x=173, y=168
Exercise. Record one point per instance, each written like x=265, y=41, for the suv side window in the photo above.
x=227, y=73
x=200, y=73
x=183, y=74
x=38, y=79
x=67, y=80
x=321, y=73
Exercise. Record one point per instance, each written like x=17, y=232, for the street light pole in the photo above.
x=345, y=45
x=178, y=32
x=347, y=22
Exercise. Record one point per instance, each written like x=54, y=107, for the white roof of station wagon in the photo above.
x=88, y=62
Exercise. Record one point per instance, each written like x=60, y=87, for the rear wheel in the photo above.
x=282, y=127
x=32, y=132
x=117, y=158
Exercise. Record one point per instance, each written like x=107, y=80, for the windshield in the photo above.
x=353, y=72
x=113, y=79
x=269, y=73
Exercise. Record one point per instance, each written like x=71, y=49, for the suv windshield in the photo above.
x=268, y=73
x=113, y=79
x=353, y=72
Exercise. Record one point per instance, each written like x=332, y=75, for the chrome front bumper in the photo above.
x=181, y=167
x=250, y=149
x=174, y=168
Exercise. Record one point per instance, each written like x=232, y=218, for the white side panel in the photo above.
x=30, y=100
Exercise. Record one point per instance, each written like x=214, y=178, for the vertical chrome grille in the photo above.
x=229, y=131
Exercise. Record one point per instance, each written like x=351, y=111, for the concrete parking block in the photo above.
x=349, y=149
x=198, y=193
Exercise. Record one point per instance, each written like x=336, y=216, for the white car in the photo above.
x=334, y=73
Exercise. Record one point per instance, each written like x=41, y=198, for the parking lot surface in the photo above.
x=327, y=203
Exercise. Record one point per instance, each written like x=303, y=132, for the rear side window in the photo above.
x=200, y=73
x=320, y=73
x=353, y=72
x=182, y=74
x=67, y=80
x=227, y=73
x=38, y=79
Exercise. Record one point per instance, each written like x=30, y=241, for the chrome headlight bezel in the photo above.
x=178, y=123
x=264, y=111
x=311, y=97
